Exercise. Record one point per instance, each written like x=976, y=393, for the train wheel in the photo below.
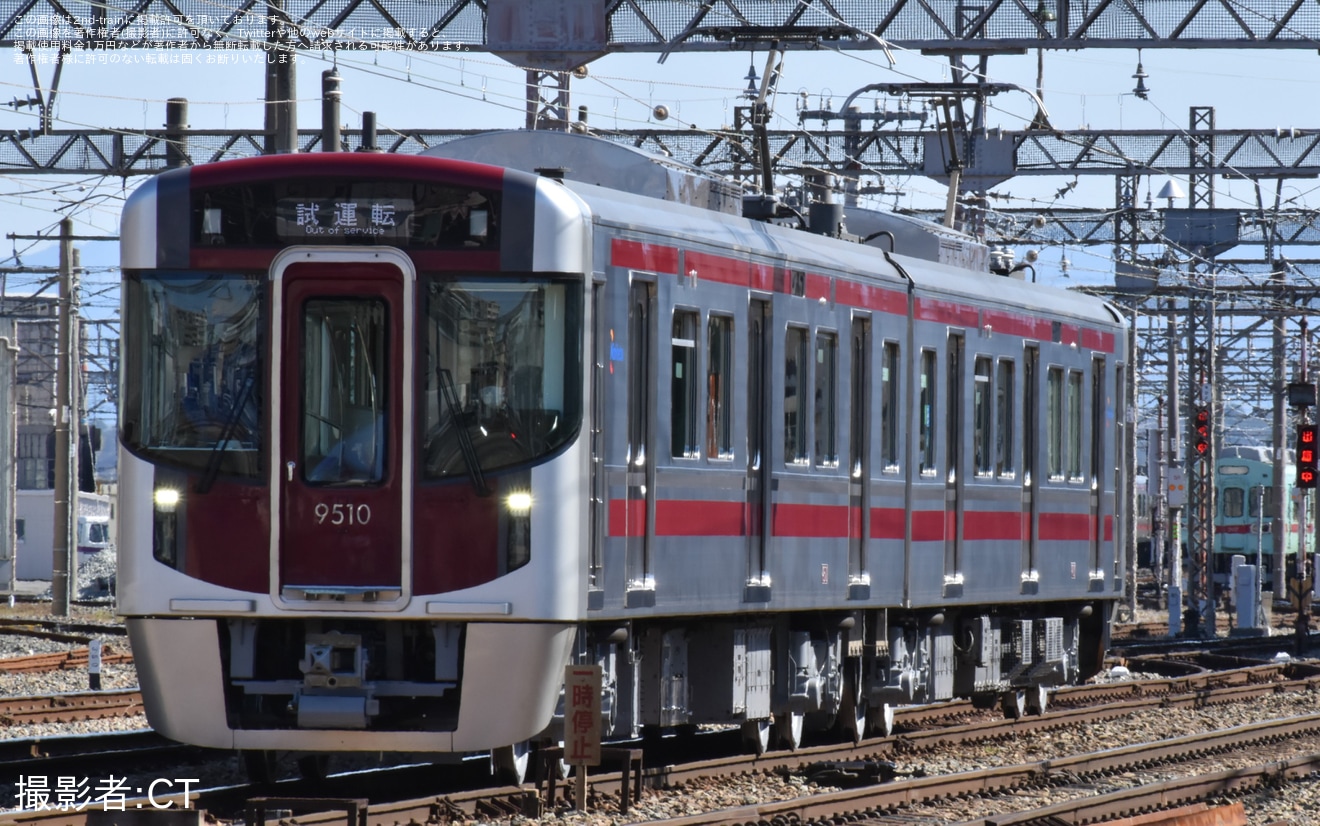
x=1038, y=700
x=1013, y=704
x=881, y=720
x=314, y=767
x=788, y=729
x=509, y=764
x=259, y=764
x=756, y=736
x=851, y=720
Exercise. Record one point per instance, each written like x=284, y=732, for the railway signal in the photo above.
x=1201, y=432
x=1308, y=459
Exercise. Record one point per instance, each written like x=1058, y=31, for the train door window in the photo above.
x=796, y=401
x=859, y=402
x=981, y=416
x=758, y=493
x=926, y=413
x=1097, y=426
x=953, y=414
x=1074, y=425
x=827, y=399
x=1234, y=500
x=1097, y=421
x=638, y=386
x=719, y=388
x=20, y=530
x=955, y=420
x=859, y=464
x=683, y=441
x=889, y=366
x=1030, y=455
x=639, y=515
x=1054, y=423
x=343, y=391
x=597, y=506
x=1004, y=421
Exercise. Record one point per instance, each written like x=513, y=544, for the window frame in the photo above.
x=927, y=411
x=684, y=339
x=797, y=351
x=825, y=405
x=1005, y=418
x=1054, y=423
x=891, y=458
x=983, y=396
x=719, y=393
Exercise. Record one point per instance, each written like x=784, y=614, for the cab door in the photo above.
x=342, y=471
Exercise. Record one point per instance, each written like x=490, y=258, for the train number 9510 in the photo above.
x=342, y=514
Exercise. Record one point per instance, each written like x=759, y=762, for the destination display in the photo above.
x=318, y=210
x=297, y=219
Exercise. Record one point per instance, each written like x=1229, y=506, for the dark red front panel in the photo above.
x=341, y=508
x=227, y=535
x=456, y=538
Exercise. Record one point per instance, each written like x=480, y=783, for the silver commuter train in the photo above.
x=402, y=437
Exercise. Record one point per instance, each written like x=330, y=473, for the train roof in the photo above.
x=728, y=234
x=634, y=191
x=592, y=160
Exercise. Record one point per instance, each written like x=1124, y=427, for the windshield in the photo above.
x=502, y=374
x=192, y=371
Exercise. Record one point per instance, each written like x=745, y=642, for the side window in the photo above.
x=683, y=387
x=981, y=412
x=719, y=386
x=827, y=399
x=1233, y=502
x=796, y=400
x=889, y=385
x=1004, y=423
x=1054, y=424
x=1074, y=425
x=20, y=530
x=926, y=415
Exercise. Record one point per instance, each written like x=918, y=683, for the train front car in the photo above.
x=352, y=396
x=1244, y=492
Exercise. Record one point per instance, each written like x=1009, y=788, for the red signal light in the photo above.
x=1308, y=457
x=1201, y=432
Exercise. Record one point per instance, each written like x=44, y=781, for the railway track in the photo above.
x=73, y=630
x=60, y=660
x=1189, y=691
x=67, y=708
x=1078, y=778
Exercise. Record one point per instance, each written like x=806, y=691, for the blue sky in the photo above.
x=1257, y=89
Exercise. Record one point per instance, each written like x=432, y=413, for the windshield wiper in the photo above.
x=214, y=460
x=465, y=445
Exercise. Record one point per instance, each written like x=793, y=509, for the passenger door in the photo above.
x=639, y=513
x=342, y=470
x=757, y=509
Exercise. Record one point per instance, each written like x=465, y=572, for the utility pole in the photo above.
x=63, y=572
x=1155, y=487
x=1178, y=502
x=8, y=462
